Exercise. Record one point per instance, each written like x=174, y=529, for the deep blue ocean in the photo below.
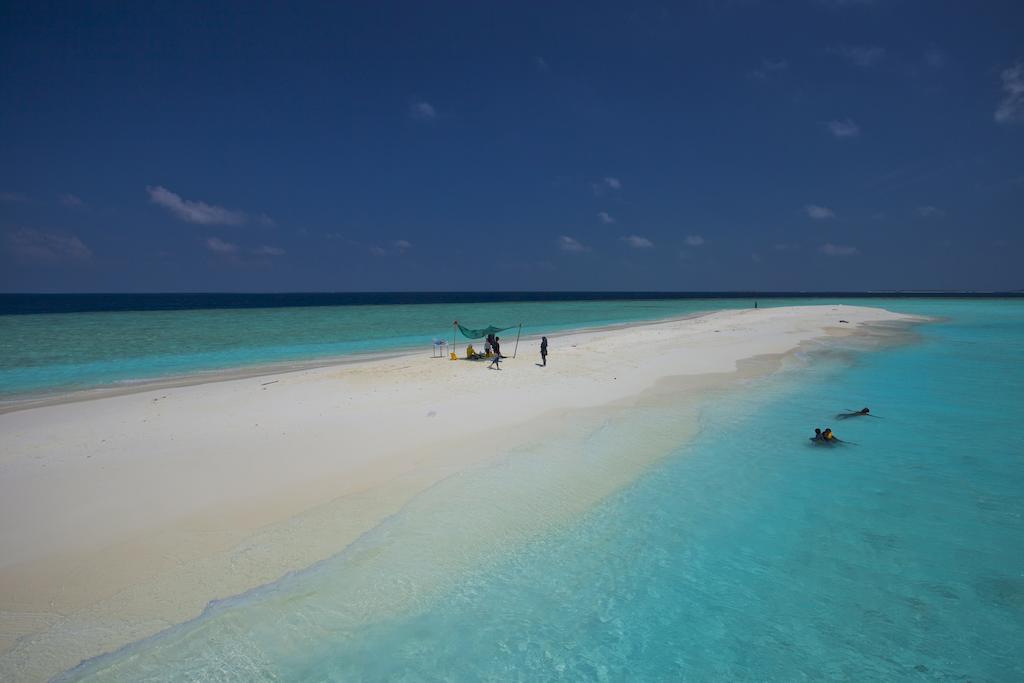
x=745, y=553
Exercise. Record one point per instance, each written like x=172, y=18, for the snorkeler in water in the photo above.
x=827, y=438
x=863, y=412
x=823, y=438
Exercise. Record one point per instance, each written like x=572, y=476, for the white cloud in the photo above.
x=930, y=212
x=934, y=58
x=13, y=197
x=819, y=213
x=1011, y=109
x=843, y=129
x=268, y=251
x=768, y=67
x=838, y=250
x=694, y=241
x=394, y=247
x=423, y=110
x=265, y=220
x=566, y=243
x=606, y=184
x=71, y=201
x=219, y=246
x=638, y=242
x=859, y=55
x=47, y=247
x=605, y=218
x=194, y=211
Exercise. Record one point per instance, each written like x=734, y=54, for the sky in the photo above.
x=807, y=145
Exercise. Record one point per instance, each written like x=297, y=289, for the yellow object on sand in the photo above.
x=454, y=356
x=470, y=352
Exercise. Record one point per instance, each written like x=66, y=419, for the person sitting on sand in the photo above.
x=854, y=413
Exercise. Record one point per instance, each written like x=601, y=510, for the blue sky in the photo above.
x=805, y=145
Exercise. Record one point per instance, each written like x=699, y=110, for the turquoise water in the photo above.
x=46, y=353
x=43, y=353
x=745, y=554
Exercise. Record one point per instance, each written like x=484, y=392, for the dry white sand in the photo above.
x=126, y=514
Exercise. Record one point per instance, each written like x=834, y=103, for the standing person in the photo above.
x=496, y=362
x=497, y=347
x=544, y=352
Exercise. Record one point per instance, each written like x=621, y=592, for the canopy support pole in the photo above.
x=517, y=340
x=455, y=327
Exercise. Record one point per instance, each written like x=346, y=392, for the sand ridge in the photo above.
x=126, y=514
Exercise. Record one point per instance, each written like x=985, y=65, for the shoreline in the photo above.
x=31, y=400
x=257, y=520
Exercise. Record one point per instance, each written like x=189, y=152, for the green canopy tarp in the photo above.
x=469, y=333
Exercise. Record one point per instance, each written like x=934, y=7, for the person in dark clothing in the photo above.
x=497, y=347
x=824, y=438
x=544, y=351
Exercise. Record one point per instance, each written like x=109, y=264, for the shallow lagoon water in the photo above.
x=56, y=352
x=51, y=353
x=745, y=553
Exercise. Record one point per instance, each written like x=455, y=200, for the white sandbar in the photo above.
x=123, y=515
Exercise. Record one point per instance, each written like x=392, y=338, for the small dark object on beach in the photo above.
x=845, y=321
